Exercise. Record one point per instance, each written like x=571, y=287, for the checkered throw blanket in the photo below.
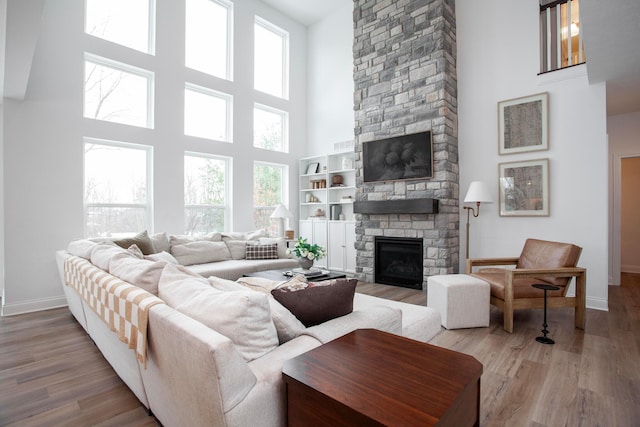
x=122, y=306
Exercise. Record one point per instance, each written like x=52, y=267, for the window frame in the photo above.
x=284, y=193
x=228, y=98
x=148, y=150
x=151, y=30
x=228, y=5
x=228, y=185
x=125, y=68
x=285, y=54
x=285, y=126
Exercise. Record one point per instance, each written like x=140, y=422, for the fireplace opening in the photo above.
x=398, y=262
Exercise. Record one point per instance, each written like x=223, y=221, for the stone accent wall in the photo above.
x=405, y=82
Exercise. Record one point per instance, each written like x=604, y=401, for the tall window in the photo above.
x=117, y=190
x=270, y=128
x=208, y=37
x=207, y=113
x=561, y=42
x=117, y=92
x=206, y=193
x=269, y=190
x=127, y=22
x=271, y=59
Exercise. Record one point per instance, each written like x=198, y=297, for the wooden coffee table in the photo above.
x=279, y=275
x=373, y=378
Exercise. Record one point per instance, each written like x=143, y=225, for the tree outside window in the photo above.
x=116, y=195
x=205, y=193
x=270, y=128
x=268, y=189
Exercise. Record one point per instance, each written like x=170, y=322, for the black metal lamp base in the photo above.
x=544, y=339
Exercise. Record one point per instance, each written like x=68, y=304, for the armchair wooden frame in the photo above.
x=509, y=304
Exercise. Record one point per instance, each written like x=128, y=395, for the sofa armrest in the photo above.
x=380, y=317
x=194, y=374
x=479, y=262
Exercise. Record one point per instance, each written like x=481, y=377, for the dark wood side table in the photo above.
x=373, y=378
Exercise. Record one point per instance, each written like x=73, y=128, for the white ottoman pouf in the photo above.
x=463, y=300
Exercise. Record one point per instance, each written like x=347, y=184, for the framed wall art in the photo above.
x=524, y=188
x=400, y=157
x=523, y=124
x=313, y=168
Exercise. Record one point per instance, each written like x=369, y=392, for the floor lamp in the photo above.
x=281, y=213
x=478, y=193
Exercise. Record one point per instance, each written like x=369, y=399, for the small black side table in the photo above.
x=544, y=339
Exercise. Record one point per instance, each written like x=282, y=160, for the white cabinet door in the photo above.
x=350, y=247
x=336, y=246
x=306, y=230
x=342, y=252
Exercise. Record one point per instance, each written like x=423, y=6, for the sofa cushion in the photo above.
x=81, y=248
x=242, y=316
x=237, y=248
x=102, y=253
x=200, y=252
x=139, y=272
x=162, y=256
x=180, y=239
x=142, y=240
x=254, y=252
x=319, y=301
x=160, y=242
x=287, y=325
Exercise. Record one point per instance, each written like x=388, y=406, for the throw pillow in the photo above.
x=81, y=248
x=141, y=239
x=162, y=256
x=160, y=241
x=242, y=316
x=282, y=245
x=237, y=248
x=139, y=272
x=135, y=251
x=262, y=251
x=319, y=301
x=200, y=252
x=102, y=253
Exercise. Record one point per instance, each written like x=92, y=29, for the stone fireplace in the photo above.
x=405, y=83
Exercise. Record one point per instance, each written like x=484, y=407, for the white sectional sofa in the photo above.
x=193, y=373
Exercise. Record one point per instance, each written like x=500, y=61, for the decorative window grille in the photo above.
x=561, y=44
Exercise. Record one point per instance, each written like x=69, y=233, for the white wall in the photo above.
x=43, y=174
x=624, y=142
x=330, y=66
x=498, y=60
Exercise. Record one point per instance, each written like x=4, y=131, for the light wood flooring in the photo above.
x=51, y=373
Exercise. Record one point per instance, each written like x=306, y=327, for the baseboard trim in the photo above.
x=32, y=305
x=598, y=303
x=630, y=269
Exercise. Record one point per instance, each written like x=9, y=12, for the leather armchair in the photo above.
x=543, y=262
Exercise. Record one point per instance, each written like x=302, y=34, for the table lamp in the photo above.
x=281, y=213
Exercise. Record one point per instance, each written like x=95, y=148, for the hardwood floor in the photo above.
x=52, y=374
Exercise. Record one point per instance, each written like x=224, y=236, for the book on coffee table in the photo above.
x=313, y=272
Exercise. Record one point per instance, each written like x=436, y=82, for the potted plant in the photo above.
x=306, y=252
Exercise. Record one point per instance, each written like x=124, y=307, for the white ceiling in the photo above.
x=611, y=31
x=307, y=12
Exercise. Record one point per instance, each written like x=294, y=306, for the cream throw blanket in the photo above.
x=122, y=306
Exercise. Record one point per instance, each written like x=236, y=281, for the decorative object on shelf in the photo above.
x=400, y=157
x=281, y=213
x=312, y=168
x=341, y=217
x=478, y=193
x=319, y=212
x=346, y=199
x=306, y=252
x=337, y=180
x=523, y=124
x=318, y=183
x=347, y=163
x=524, y=188
x=336, y=210
x=288, y=234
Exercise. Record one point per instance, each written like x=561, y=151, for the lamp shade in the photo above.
x=478, y=192
x=281, y=212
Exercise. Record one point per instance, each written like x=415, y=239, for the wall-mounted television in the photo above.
x=399, y=157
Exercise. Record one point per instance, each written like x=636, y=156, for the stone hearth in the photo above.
x=405, y=82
